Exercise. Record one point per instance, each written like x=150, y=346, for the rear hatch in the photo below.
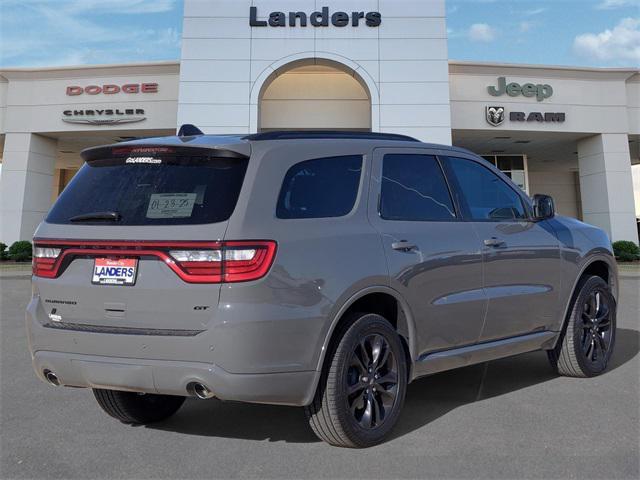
x=135, y=243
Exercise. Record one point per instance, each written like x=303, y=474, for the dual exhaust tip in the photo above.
x=197, y=389
x=52, y=378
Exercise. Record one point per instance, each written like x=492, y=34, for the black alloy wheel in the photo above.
x=597, y=333
x=587, y=342
x=363, y=384
x=372, y=383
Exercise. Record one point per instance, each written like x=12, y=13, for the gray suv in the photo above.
x=318, y=269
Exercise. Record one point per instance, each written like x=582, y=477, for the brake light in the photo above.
x=44, y=261
x=233, y=262
x=193, y=262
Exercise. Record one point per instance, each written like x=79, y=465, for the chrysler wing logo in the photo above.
x=104, y=116
x=103, y=121
x=495, y=116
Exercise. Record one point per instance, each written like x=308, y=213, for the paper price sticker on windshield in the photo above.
x=171, y=205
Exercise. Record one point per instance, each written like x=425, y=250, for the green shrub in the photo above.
x=20, y=251
x=626, y=251
x=3, y=251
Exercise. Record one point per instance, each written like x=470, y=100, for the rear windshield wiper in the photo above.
x=96, y=216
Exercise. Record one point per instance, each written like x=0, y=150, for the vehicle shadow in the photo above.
x=427, y=399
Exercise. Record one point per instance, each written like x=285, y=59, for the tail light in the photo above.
x=193, y=262
x=44, y=261
x=232, y=262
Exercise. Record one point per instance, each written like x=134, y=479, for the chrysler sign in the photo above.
x=320, y=18
x=104, y=116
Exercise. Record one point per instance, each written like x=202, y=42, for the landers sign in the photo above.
x=317, y=19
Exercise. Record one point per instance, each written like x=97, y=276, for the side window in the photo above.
x=320, y=188
x=486, y=195
x=414, y=189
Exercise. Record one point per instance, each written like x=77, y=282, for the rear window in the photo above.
x=320, y=188
x=166, y=189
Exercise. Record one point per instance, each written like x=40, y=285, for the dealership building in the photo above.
x=367, y=65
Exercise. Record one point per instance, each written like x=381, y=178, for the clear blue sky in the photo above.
x=564, y=32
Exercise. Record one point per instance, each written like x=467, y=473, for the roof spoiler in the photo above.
x=188, y=130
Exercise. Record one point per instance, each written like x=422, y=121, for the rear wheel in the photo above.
x=589, y=338
x=362, y=388
x=139, y=408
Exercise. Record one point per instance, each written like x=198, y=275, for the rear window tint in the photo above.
x=159, y=190
x=320, y=188
x=414, y=189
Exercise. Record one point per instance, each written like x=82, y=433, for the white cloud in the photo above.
x=78, y=32
x=535, y=11
x=482, y=32
x=611, y=4
x=525, y=27
x=619, y=45
x=74, y=7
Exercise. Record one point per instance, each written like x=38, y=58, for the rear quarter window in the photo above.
x=320, y=188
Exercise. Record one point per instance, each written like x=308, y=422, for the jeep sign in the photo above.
x=513, y=89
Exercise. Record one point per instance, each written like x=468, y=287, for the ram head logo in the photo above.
x=495, y=116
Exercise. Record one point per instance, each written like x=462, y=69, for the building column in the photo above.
x=26, y=184
x=606, y=185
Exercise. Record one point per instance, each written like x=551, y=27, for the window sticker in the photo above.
x=171, y=205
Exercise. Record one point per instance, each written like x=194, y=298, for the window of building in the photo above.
x=513, y=166
x=486, y=196
x=414, y=189
x=320, y=188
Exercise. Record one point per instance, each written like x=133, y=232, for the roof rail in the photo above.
x=328, y=134
x=188, y=130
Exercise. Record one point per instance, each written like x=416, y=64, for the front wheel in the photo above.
x=590, y=334
x=137, y=408
x=362, y=387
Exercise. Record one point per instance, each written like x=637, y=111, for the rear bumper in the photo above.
x=173, y=378
x=235, y=360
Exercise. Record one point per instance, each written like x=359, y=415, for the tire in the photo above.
x=365, y=416
x=136, y=408
x=585, y=346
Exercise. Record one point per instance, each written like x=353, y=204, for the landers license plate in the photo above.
x=115, y=272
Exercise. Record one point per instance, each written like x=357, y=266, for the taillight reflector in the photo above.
x=44, y=261
x=193, y=262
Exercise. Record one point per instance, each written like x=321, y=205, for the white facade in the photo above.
x=394, y=76
x=39, y=142
x=402, y=63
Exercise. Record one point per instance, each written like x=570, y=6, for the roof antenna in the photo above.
x=188, y=130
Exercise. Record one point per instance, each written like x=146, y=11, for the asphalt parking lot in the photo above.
x=511, y=418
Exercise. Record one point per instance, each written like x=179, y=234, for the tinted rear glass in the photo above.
x=175, y=189
x=321, y=188
x=414, y=189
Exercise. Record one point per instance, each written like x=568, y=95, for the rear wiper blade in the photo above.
x=96, y=216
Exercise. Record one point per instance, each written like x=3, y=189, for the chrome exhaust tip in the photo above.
x=201, y=391
x=52, y=378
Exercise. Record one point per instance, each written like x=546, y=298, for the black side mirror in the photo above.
x=543, y=207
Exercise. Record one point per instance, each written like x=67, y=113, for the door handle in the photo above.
x=404, y=246
x=494, y=242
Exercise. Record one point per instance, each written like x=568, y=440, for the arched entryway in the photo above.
x=314, y=94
